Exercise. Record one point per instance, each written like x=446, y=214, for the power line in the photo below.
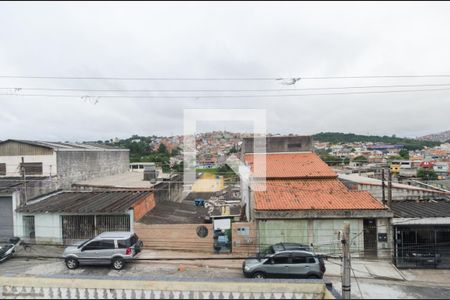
x=201, y=97
x=18, y=89
x=293, y=78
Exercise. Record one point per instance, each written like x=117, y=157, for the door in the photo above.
x=6, y=219
x=97, y=252
x=29, y=232
x=299, y=265
x=370, y=237
x=278, y=265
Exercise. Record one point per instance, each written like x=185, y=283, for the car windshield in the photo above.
x=83, y=243
x=267, y=251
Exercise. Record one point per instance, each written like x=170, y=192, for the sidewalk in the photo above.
x=366, y=269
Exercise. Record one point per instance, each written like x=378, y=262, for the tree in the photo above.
x=361, y=159
x=426, y=174
x=163, y=149
x=404, y=154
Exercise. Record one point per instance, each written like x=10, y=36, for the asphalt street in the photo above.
x=362, y=288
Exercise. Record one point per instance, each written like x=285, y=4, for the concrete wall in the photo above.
x=49, y=166
x=181, y=237
x=322, y=233
x=170, y=191
x=279, y=144
x=397, y=193
x=76, y=166
x=98, y=288
x=143, y=207
x=243, y=236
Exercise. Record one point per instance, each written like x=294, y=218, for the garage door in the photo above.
x=6, y=218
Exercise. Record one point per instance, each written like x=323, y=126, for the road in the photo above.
x=363, y=288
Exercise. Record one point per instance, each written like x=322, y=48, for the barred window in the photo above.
x=32, y=168
x=2, y=169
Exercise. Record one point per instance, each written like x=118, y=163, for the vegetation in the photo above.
x=361, y=159
x=332, y=160
x=338, y=137
x=426, y=174
x=404, y=154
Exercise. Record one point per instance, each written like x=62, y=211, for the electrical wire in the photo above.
x=201, y=97
x=19, y=89
x=292, y=78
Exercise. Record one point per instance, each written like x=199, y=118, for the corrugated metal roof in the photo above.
x=312, y=194
x=291, y=165
x=422, y=209
x=86, y=202
x=66, y=146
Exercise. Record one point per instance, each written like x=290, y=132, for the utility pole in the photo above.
x=382, y=187
x=389, y=188
x=346, y=264
x=22, y=172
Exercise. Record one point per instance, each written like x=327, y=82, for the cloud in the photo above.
x=226, y=40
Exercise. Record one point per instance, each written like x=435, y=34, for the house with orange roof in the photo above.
x=294, y=196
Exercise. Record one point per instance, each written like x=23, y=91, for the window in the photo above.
x=92, y=246
x=3, y=169
x=107, y=244
x=281, y=259
x=299, y=259
x=32, y=168
x=100, y=245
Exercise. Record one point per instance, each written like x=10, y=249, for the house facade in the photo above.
x=300, y=199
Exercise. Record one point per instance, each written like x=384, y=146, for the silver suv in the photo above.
x=108, y=248
x=285, y=263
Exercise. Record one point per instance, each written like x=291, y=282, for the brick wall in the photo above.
x=181, y=237
x=144, y=206
x=243, y=235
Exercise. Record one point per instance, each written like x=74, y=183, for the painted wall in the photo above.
x=47, y=228
x=49, y=166
x=323, y=234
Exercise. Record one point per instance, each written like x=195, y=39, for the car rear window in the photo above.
x=128, y=242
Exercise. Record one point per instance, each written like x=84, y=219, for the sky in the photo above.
x=241, y=41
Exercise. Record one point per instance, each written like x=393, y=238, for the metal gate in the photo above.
x=6, y=218
x=422, y=246
x=78, y=228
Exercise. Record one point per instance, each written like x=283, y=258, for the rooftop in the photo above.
x=313, y=194
x=127, y=180
x=168, y=212
x=291, y=165
x=58, y=146
x=422, y=209
x=372, y=181
x=85, y=202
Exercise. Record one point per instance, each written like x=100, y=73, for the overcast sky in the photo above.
x=226, y=40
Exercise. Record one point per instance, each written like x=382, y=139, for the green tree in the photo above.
x=361, y=159
x=426, y=174
x=163, y=149
x=404, y=154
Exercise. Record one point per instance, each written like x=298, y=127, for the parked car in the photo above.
x=285, y=263
x=283, y=247
x=108, y=248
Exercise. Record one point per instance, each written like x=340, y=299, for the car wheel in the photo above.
x=72, y=263
x=118, y=263
x=259, y=275
x=314, y=277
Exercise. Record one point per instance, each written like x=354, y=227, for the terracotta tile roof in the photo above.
x=312, y=194
x=292, y=165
